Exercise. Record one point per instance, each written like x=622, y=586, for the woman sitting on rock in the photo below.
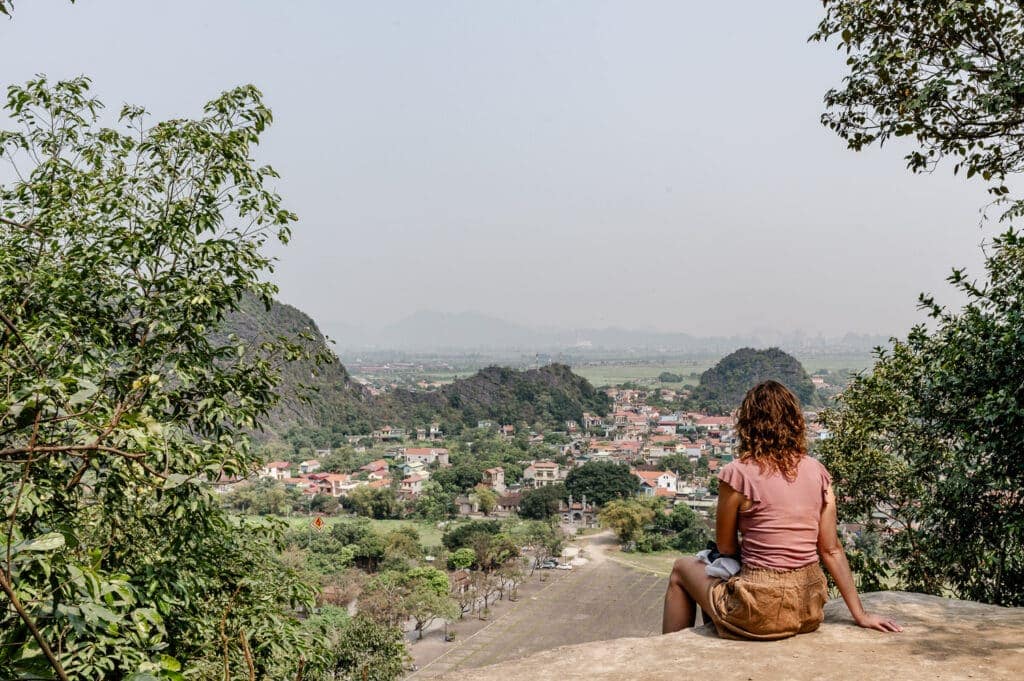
x=781, y=501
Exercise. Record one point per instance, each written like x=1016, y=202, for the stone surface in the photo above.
x=942, y=639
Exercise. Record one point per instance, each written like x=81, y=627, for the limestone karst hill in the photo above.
x=551, y=394
x=724, y=385
x=942, y=639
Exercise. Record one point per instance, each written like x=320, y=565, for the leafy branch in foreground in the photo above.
x=947, y=73
x=121, y=250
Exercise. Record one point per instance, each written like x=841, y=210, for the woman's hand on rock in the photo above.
x=879, y=622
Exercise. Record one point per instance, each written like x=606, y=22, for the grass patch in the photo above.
x=659, y=562
x=430, y=534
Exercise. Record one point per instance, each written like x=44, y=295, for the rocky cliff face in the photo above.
x=942, y=639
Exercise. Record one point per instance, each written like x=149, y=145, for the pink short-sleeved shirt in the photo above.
x=780, y=529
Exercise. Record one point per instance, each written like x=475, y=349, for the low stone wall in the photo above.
x=942, y=639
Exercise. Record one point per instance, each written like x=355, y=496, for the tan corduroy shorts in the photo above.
x=765, y=605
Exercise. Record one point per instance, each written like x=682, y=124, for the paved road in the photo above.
x=602, y=600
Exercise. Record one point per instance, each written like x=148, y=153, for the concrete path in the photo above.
x=600, y=600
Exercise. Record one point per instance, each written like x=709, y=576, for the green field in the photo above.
x=657, y=562
x=430, y=534
x=646, y=373
x=854, y=362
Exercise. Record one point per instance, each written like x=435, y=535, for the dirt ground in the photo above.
x=600, y=599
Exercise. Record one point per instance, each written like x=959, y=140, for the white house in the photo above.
x=495, y=479
x=310, y=466
x=652, y=480
x=413, y=484
x=426, y=455
x=334, y=484
x=541, y=473
x=276, y=470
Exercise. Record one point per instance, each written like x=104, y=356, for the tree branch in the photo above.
x=8, y=589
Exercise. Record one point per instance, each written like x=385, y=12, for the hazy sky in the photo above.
x=641, y=164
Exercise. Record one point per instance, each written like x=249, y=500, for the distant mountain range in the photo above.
x=427, y=331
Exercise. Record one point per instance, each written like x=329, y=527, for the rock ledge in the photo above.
x=942, y=639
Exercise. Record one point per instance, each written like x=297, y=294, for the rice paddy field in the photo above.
x=646, y=372
x=643, y=373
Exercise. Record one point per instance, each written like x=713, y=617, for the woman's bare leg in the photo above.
x=688, y=587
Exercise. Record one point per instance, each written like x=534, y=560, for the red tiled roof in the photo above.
x=651, y=475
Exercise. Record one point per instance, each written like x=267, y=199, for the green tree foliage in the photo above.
x=944, y=72
x=461, y=559
x=601, y=481
x=492, y=550
x=485, y=499
x=434, y=502
x=460, y=477
x=401, y=547
x=461, y=535
x=723, y=386
x=420, y=594
x=264, y=497
x=424, y=606
x=548, y=396
x=544, y=539
x=322, y=553
x=121, y=250
x=627, y=518
x=669, y=377
x=556, y=438
x=374, y=502
x=541, y=503
x=429, y=578
x=365, y=650
x=682, y=529
x=925, y=450
x=351, y=531
x=679, y=464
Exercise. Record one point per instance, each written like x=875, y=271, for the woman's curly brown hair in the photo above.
x=771, y=429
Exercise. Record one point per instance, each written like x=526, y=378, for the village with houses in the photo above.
x=674, y=455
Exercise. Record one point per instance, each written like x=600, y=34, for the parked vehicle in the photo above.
x=547, y=564
x=563, y=566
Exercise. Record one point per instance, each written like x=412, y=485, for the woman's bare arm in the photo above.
x=729, y=501
x=834, y=557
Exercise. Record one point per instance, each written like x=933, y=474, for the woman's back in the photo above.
x=780, y=529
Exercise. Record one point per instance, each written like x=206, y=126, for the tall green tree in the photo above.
x=541, y=503
x=434, y=503
x=925, y=451
x=684, y=529
x=601, y=481
x=485, y=498
x=923, y=448
x=627, y=518
x=121, y=250
x=365, y=650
